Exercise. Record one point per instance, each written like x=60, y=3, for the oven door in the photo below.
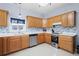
x=54, y=42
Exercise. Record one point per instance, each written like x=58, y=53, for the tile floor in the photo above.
x=42, y=50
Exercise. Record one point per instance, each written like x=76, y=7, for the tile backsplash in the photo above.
x=4, y=29
x=57, y=29
x=33, y=30
x=60, y=29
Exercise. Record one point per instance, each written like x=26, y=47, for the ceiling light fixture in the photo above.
x=44, y=4
x=20, y=10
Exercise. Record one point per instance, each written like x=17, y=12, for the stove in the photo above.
x=54, y=39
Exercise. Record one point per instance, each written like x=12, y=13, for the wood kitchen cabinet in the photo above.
x=44, y=38
x=68, y=19
x=64, y=19
x=44, y=22
x=14, y=43
x=67, y=43
x=47, y=38
x=1, y=49
x=49, y=22
x=56, y=19
x=34, y=22
x=52, y=20
x=3, y=17
x=40, y=38
x=25, y=41
x=71, y=19
x=3, y=45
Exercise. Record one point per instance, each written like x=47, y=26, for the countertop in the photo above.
x=19, y=34
x=68, y=34
x=27, y=33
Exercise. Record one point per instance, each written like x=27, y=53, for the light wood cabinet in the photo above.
x=40, y=38
x=1, y=49
x=50, y=22
x=64, y=20
x=68, y=19
x=71, y=19
x=47, y=38
x=44, y=22
x=56, y=19
x=34, y=22
x=44, y=38
x=67, y=43
x=3, y=18
x=3, y=45
x=14, y=43
x=25, y=41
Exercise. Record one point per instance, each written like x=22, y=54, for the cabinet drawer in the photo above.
x=66, y=45
x=65, y=38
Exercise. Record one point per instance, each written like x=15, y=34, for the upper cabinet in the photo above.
x=49, y=22
x=68, y=19
x=34, y=22
x=64, y=20
x=3, y=17
x=44, y=22
x=56, y=19
x=53, y=20
x=72, y=18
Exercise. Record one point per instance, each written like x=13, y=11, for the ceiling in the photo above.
x=34, y=7
x=42, y=10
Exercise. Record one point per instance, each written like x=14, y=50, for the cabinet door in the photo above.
x=3, y=45
x=3, y=18
x=41, y=38
x=44, y=23
x=34, y=21
x=5, y=51
x=71, y=18
x=1, y=49
x=64, y=19
x=25, y=41
x=14, y=43
x=56, y=19
x=67, y=43
x=49, y=22
x=48, y=38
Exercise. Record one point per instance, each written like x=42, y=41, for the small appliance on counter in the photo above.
x=44, y=30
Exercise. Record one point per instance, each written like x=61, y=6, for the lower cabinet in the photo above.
x=48, y=38
x=67, y=43
x=25, y=41
x=1, y=49
x=44, y=38
x=3, y=45
x=40, y=38
x=14, y=43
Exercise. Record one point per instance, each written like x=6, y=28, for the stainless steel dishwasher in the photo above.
x=33, y=40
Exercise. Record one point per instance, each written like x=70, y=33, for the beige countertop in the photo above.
x=19, y=34
x=27, y=33
x=68, y=34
